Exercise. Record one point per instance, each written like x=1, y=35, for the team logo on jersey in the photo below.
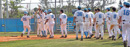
x=100, y=16
x=64, y=16
x=86, y=16
x=115, y=16
x=127, y=12
x=79, y=14
x=24, y=19
x=52, y=16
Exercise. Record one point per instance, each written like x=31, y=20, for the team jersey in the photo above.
x=25, y=20
x=92, y=16
x=99, y=17
x=107, y=15
x=79, y=14
x=39, y=18
x=51, y=18
x=119, y=12
x=63, y=17
x=125, y=14
x=87, y=16
x=114, y=18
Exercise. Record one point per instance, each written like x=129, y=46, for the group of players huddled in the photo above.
x=85, y=20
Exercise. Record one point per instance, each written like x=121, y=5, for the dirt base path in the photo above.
x=34, y=37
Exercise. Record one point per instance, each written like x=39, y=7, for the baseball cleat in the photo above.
x=110, y=37
x=65, y=36
x=119, y=36
x=62, y=37
x=51, y=37
x=28, y=37
x=97, y=38
x=91, y=35
x=76, y=38
x=81, y=39
x=113, y=37
x=125, y=44
x=102, y=38
x=86, y=37
x=22, y=35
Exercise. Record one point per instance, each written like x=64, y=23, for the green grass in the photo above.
x=64, y=43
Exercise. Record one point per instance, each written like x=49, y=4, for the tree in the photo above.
x=14, y=9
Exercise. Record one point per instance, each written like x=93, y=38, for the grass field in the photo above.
x=64, y=43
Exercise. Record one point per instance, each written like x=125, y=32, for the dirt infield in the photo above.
x=33, y=37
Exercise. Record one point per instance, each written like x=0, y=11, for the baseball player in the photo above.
x=99, y=20
x=87, y=23
x=46, y=25
x=114, y=17
x=107, y=16
x=25, y=19
x=63, y=22
x=92, y=25
x=125, y=17
x=51, y=22
x=78, y=19
x=39, y=24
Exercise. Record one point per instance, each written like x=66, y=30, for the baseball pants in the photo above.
x=26, y=27
x=79, y=26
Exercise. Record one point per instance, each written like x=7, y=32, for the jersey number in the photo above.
x=115, y=16
x=52, y=16
x=86, y=16
x=64, y=16
x=79, y=14
x=100, y=16
x=126, y=12
x=24, y=19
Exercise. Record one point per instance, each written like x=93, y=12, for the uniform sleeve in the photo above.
x=54, y=15
x=22, y=19
x=75, y=14
x=29, y=17
x=121, y=14
x=103, y=15
x=118, y=16
x=83, y=14
x=60, y=16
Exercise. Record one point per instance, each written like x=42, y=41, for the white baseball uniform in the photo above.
x=99, y=23
x=114, y=17
x=79, y=14
x=119, y=14
x=63, y=22
x=91, y=26
x=87, y=22
x=126, y=24
x=51, y=22
x=26, y=24
x=107, y=16
x=46, y=25
x=39, y=24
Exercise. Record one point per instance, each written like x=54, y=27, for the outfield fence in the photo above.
x=16, y=25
